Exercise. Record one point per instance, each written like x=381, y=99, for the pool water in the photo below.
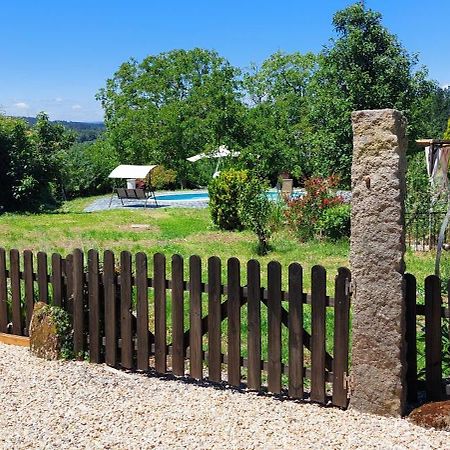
x=199, y=196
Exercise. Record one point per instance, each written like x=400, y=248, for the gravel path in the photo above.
x=59, y=405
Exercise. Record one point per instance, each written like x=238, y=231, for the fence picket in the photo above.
x=177, y=316
x=214, y=319
x=295, y=331
x=411, y=337
x=94, y=307
x=234, y=322
x=126, y=334
x=3, y=293
x=195, y=337
x=433, y=343
x=57, y=287
x=109, y=286
x=274, y=327
x=142, y=311
x=69, y=285
x=78, y=300
x=14, y=269
x=159, y=280
x=341, y=337
x=29, y=286
x=42, y=276
x=254, y=324
x=318, y=312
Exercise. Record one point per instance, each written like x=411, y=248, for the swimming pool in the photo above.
x=198, y=196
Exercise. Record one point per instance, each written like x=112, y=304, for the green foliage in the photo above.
x=162, y=178
x=366, y=67
x=334, y=222
x=306, y=214
x=277, y=120
x=447, y=132
x=30, y=161
x=256, y=212
x=224, y=196
x=418, y=190
x=86, y=166
x=171, y=106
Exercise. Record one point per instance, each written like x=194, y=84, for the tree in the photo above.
x=30, y=162
x=365, y=67
x=171, y=106
x=277, y=117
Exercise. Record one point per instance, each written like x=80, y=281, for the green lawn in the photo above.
x=172, y=230
x=183, y=231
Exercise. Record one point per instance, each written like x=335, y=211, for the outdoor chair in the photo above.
x=135, y=194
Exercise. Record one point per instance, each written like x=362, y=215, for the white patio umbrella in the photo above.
x=220, y=153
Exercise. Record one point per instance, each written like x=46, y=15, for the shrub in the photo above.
x=256, y=211
x=30, y=161
x=162, y=178
x=224, y=195
x=305, y=213
x=334, y=222
x=86, y=167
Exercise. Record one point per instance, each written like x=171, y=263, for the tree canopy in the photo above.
x=171, y=106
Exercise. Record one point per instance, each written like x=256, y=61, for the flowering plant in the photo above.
x=304, y=214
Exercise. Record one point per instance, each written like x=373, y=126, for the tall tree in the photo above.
x=365, y=67
x=171, y=106
x=277, y=117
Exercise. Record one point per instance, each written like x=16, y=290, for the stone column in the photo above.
x=376, y=259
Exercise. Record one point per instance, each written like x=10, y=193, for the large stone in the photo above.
x=44, y=339
x=432, y=415
x=376, y=258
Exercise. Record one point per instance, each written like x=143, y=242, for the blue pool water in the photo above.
x=198, y=196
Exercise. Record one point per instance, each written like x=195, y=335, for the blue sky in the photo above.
x=56, y=54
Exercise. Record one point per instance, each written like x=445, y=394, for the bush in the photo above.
x=162, y=178
x=86, y=167
x=335, y=222
x=224, y=195
x=30, y=163
x=305, y=213
x=256, y=211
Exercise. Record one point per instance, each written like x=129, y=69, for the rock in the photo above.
x=377, y=249
x=432, y=415
x=44, y=339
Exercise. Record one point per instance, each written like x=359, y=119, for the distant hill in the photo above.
x=86, y=131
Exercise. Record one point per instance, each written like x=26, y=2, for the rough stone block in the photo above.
x=45, y=341
x=377, y=261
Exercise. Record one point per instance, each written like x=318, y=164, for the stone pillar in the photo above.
x=376, y=258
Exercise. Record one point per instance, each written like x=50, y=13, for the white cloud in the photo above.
x=58, y=99
x=446, y=86
x=22, y=105
x=77, y=106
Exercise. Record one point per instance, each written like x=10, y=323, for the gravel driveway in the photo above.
x=58, y=405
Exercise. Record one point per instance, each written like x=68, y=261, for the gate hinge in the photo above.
x=349, y=287
x=349, y=383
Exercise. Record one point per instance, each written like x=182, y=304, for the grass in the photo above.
x=172, y=230
x=186, y=232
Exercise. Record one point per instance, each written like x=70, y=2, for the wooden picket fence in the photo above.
x=425, y=316
x=205, y=330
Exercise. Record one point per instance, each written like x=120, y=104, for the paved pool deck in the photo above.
x=102, y=204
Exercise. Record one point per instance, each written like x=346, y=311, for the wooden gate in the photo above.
x=222, y=330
